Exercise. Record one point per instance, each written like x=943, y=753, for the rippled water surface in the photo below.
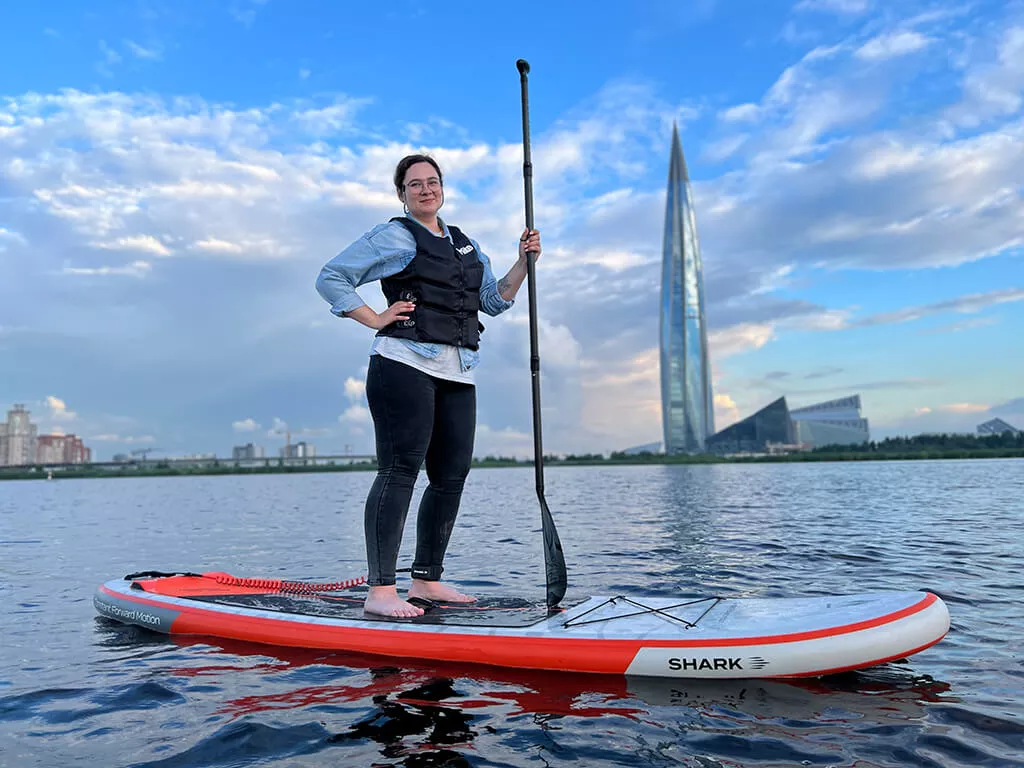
x=79, y=690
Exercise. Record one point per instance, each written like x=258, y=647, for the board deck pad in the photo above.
x=485, y=612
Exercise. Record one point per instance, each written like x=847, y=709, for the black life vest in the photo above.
x=444, y=280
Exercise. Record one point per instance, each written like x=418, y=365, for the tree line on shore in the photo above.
x=936, y=446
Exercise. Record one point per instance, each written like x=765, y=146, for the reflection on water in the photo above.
x=79, y=690
x=432, y=715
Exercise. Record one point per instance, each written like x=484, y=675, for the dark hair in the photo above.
x=410, y=160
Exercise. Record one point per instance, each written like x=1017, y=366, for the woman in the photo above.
x=419, y=384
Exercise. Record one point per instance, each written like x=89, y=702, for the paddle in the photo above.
x=554, y=560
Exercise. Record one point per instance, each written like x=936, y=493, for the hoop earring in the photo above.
x=405, y=208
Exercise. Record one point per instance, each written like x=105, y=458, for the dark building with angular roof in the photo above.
x=772, y=424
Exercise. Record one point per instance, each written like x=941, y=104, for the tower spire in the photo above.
x=677, y=160
x=686, y=399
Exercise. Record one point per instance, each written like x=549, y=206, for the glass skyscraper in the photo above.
x=687, y=404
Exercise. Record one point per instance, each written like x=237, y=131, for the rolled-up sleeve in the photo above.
x=354, y=266
x=491, y=301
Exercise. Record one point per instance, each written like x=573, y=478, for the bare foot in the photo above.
x=438, y=592
x=384, y=601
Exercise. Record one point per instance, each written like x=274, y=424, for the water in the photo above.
x=79, y=690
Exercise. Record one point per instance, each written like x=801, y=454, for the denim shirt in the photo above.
x=386, y=250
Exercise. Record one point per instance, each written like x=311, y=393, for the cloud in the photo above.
x=8, y=236
x=213, y=245
x=127, y=439
x=824, y=372
x=245, y=249
x=892, y=45
x=142, y=243
x=726, y=411
x=970, y=303
x=740, y=113
x=245, y=425
x=993, y=87
x=244, y=11
x=136, y=268
x=834, y=6
x=330, y=120
x=725, y=148
x=963, y=408
x=739, y=338
x=58, y=409
x=356, y=414
x=502, y=442
x=109, y=59
x=907, y=384
x=961, y=417
x=1015, y=405
x=964, y=325
x=355, y=389
x=151, y=53
x=613, y=260
x=837, y=185
x=958, y=418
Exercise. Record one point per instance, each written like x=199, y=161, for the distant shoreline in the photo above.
x=157, y=468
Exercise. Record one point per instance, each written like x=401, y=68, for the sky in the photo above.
x=173, y=175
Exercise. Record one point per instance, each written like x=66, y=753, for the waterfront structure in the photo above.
x=17, y=438
x=769, y=428
x=62, y=449
x=299, y=450
x=776, y=428
x=21, y=445
x=247, y=452
x=832, y=422
x=687, y=403
x=997, y=427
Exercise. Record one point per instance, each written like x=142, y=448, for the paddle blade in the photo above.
x=554, y=560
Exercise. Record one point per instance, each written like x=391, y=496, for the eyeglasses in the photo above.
x=418, y=186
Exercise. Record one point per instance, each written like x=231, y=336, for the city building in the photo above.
x=17, y=438
x=21, y=445
x=770, y=426
x=776, y=428
x=833, y=422
x=997, y=427
x=62, y=449
x=247, y=452
x=636, y=450
x=687, y=403
x=299, y=450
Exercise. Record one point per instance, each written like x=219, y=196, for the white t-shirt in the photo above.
x=446, y=365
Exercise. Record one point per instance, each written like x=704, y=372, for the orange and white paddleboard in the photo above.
x=685, y=637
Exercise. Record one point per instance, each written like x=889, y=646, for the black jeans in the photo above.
x=416, y=417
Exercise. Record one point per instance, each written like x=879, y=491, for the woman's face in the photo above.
x=422, y=190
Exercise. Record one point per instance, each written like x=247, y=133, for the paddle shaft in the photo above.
x=554, y=559
x=531, y=279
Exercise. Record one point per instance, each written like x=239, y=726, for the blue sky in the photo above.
x=174, y=174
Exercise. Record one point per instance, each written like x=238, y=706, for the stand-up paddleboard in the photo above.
x=707, y=637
